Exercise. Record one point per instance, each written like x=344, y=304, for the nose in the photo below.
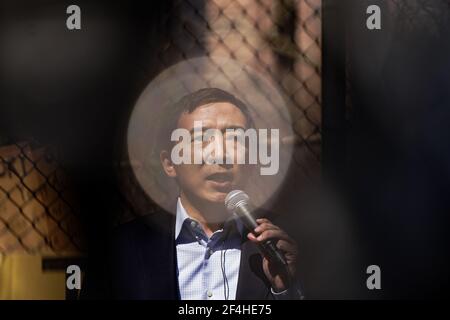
x=224, y=154
x=220, y=155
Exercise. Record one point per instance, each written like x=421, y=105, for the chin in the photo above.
x=217, y=197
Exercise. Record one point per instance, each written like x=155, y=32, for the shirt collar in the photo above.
x=182, y=216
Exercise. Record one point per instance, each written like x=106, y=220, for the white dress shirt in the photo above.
x=208, y=268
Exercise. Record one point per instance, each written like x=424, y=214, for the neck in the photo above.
x=210, y=215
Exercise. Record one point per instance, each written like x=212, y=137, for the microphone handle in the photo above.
x=268, y=248
x=274, y=254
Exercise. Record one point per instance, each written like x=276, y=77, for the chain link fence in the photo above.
x=37, y=213
x=281, y=39
x=412, y=16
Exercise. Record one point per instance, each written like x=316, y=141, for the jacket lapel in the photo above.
x=252, y=283
x=159, y=259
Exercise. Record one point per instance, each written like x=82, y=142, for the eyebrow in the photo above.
x=223, y=130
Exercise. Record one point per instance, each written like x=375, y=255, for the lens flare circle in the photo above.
x=267, y=108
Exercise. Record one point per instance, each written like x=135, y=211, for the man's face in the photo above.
x=211, y=182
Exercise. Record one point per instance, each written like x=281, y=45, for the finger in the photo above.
x=262, y=220
x=266, y=226
x=252, y=237
x=273, y=234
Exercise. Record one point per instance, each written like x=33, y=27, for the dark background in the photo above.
x=74, y=91
x=386, y=121
x=396, y=140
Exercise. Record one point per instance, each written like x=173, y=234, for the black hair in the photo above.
x=189, y=103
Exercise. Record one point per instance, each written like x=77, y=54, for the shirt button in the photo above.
x=209, y=293
x=193, y=224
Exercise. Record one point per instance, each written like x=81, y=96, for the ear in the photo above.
x=167, y=164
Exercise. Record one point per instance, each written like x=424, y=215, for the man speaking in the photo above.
x=204, y=251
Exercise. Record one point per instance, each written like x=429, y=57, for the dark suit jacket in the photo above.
x=144, y=262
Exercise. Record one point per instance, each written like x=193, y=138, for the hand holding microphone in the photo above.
x=279, y=250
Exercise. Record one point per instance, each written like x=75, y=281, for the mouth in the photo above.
x=220, y=179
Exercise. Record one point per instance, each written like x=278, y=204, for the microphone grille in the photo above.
x=235, y=199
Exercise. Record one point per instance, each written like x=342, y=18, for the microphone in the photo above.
x=238, y=202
